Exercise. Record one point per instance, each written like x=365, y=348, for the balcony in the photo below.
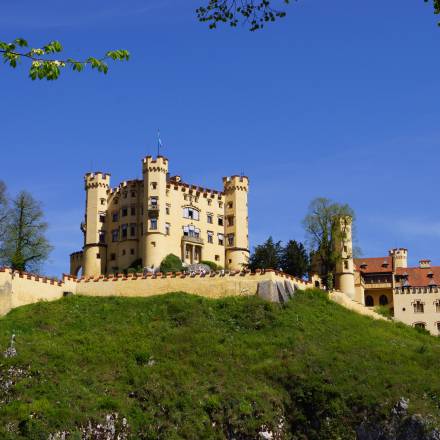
x=153, y=210
x=192, y=239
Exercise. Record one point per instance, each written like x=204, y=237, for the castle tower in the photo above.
x=95, y=248
x=154, y=204
x=236, y=222
x=400, y=257
x=345, y=266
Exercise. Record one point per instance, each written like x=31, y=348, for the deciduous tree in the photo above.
x=24, y=245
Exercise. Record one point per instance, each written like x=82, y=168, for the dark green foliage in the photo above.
x=171, y=263
x=266, y=255
x=294, y=259
x=184, y=367
x=213, y=266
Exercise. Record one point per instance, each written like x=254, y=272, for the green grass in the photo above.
x=181, y=366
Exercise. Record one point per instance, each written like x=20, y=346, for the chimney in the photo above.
x=425, y=264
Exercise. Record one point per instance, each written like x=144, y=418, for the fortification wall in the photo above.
x=18, y=289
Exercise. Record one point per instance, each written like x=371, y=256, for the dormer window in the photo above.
x=385, y=263
x=430, y=274
x=364, y=265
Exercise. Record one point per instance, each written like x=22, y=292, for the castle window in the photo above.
x=167, y=228
x=153, y=223
x=116, y=201
x=209, y=202
x=153, y=202
x=210, y=237
x=383, y=300
x=102, y=201
x=209, y=218
x=230, y=205
x=437, y=306
x=124, y=231
x=133, y=210
x=217, y=258
x=420, y=325
x=115, y=216
x=124, y=194
x=221, y=239
x=133, y=194
x=112, y=257
x=98, y=256
x=345, y=264
x=231, y=239
x=438, y=327
x=167, y=209
x=220, y=204
x=131, y=251
x=132, y=230
x=153, y=185
x=167, y=192
x=229, y=261
x=191, y=213
x=369, y=301
x=123, y=252
x=102, y=218
x=220, y=220
x=124, y=212
x=345, y=249
x=191, y=231
x=115, y=235
x=102, y=236
x=230, y=220
x=419, y=307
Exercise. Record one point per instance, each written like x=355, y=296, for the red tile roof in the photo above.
x=419, y=277
x=374, y=265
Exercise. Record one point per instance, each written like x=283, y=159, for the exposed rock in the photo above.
x=11, y=350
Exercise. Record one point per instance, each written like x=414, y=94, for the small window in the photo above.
x=102, y=236
x=102, y=201
x=98, y=256
x=438, y=327
x=167, y=228
x=230, y=239
x=153, y=202
x=153, y=224
x=209, y=202
x=131, y=251
x=230, y=205
x=116, y=201
x=102, y=218
x=229, y=261
x=209, y=217
x=210, y=237
x=220, y=204
x=217, y=258
x=153, y=185
x=133, y=194
x=191, y=213
x=123, y=252
x=115, y=235
x=221, y=239
x=345, y=264
x=437, y=306
x=124, y=194
x=132, y=230
x=220, y=221
x=419, y=307
x=112, y=257
x=115, y=216
x=124, y=231
x=420, y=325
x=133, y=210
x=345, y=249
x=167, y=209
x=124, y=212
x=230, y=220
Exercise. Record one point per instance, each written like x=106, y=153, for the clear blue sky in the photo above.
x=340, y=99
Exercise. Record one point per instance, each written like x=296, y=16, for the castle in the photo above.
x=140, y=222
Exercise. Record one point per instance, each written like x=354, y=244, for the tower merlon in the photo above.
x=236, y=183
x=98, y=178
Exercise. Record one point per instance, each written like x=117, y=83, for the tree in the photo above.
x=171, y=263
x=43, y=64
x=324, y=227
x=294, y=259
x=3, y=208
x=266, y=255
x=24, y=245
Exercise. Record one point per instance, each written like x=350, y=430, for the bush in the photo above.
x=171, y=263
x=213, y=266
x=384, y=311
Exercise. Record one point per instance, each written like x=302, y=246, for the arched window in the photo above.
x=383, y=300
x=369, y=301
x=420, y=325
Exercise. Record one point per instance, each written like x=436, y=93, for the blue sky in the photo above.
x=339, y=99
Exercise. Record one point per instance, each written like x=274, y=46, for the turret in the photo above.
x=345, y=265
x=236, y=222
x=400, y=257
x=95, y=248
x=154, y=204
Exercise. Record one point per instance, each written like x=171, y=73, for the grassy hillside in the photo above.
x=180, y=366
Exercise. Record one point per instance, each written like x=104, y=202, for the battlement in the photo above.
x=398, y=251
x=160, y=163
x=97, y=179
x=193, y=189
x=236, y=183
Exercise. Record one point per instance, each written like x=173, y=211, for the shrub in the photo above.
x=384, y=311
x=213, y=266
x=171, y=263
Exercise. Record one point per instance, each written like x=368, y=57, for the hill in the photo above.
x=181, y=366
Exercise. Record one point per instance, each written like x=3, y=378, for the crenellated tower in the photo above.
x=95, y=248
x=345, y=266
x=236, y=222
x=154, y=204
x=400, y=257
